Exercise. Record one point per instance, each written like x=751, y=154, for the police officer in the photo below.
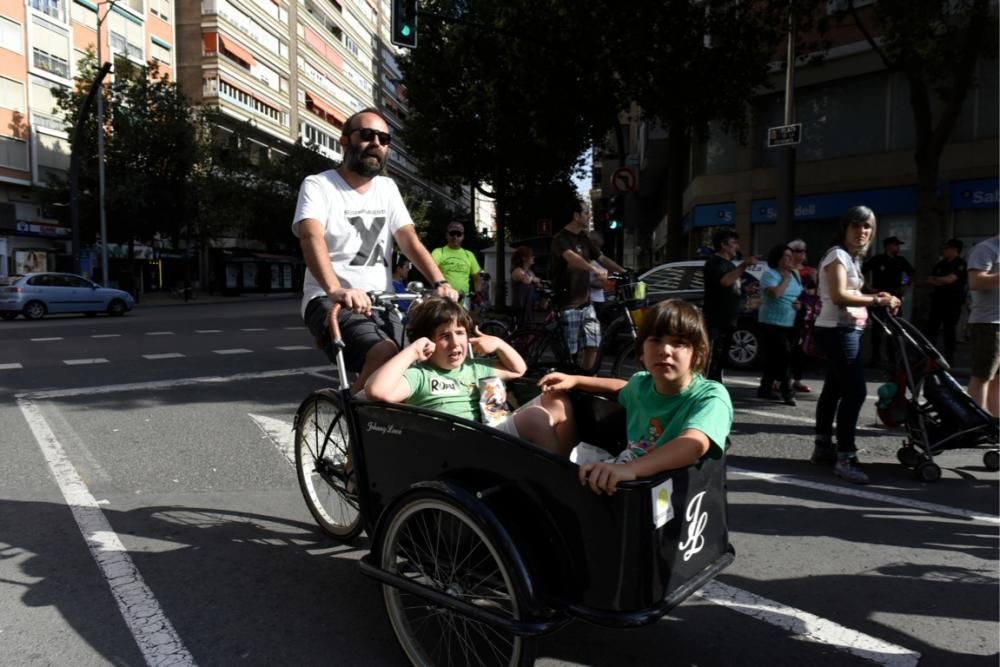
x=887, y=272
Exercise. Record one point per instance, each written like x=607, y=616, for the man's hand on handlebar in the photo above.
x=447, y=291
x=353, y=299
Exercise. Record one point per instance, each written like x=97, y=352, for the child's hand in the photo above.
x=483, y=344
x=605, y=477
x=557, y=382
x=422, y=348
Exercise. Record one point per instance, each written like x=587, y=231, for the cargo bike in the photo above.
x=483, y=542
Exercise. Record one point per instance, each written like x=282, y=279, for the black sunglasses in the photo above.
x=367, y=134
x=456, y=233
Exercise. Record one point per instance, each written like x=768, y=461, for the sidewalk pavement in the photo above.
x=161, y=299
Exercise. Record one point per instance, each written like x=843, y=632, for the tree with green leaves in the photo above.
x=150, y=149
x=936, y=45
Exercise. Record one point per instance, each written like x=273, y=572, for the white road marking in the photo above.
x=152, y=630
x=45, y=340
x=809, y=626
x=235, y=350
x=159, y=333
x=168, y=384
x=208, y=330
x=165, y=355
x=280, y=433
x=292, y=348
x=803, y=420
x=868, y=495
x=299, y=328
x=254, y=329
x=10, y=367
x=84, y=362
x=105, y=336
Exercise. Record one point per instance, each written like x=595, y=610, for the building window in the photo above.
x=160, y=53
x=126, y=37
x=83, y=15
x=10, y=35
x=11, y=94
x=44, y=110
x=13, y=153
x=161, y=8
x=54, y=8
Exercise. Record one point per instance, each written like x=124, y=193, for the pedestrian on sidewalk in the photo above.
x=723, y=294
x=809, y=303
x=948, y=278
x=889, y=272
x=984, y=324
x=780, y=289
x=839, y=327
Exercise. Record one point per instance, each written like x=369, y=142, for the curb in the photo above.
x=212, y=300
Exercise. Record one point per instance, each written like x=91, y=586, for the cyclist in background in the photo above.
x=459, y=266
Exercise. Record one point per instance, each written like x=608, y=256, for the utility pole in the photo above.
x=100, y=148
x=786, y=156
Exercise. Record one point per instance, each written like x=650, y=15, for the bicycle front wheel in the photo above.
x=494, y=328
x=538, y=347
x=323, y=464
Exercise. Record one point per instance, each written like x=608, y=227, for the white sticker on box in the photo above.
x=663, y=510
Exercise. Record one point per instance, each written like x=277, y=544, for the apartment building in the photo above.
x=857, y=148
x=296, y=69
x=41, y=43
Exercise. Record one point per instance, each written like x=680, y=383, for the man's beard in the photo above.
x=358, y=163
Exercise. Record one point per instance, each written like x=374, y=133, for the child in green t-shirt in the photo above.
x=674, y=415
x=434, y=372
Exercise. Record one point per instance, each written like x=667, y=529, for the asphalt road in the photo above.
x=148, y=514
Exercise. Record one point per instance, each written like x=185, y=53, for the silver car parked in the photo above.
x=35, y=295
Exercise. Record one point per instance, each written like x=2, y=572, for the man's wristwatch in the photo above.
x=440, y=283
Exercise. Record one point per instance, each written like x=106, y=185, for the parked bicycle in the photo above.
x=544, y=348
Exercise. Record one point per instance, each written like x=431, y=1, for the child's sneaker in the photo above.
x=850, y=470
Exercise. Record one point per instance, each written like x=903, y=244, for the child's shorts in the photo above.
x=508, y=426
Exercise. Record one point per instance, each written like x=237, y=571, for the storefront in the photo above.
x=974, y=209
x=234, y=271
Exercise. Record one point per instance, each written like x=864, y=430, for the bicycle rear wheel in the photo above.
x=627, y=363
x=322, y=462
x=494, y=328
x=538, y=347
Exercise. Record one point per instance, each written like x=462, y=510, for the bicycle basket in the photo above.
x=634, y=297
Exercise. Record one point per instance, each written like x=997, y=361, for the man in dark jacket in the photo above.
x=723, y=293
x=888, y=272
x=949, y=278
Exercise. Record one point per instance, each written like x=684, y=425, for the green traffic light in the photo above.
x=405, y=31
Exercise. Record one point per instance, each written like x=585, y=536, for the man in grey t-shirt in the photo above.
x=984, y=324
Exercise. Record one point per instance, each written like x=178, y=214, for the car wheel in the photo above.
x=8, y=316
x=34, y=310
x=744, y=349
x=116, y=308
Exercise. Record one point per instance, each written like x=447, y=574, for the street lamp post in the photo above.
x=100, y=150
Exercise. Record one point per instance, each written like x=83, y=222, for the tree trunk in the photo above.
x=931, y=231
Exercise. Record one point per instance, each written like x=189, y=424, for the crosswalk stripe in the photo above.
x=159, y=333
x=208, y=331
x=165, y=355
x=235, y=350
x=291, y=348
x=46, y=340
x=105, y=336
x=254, y=329
x=10, y=367
x=84, y=362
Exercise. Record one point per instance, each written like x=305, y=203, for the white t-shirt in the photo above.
x=359, y=229
x=830, y=314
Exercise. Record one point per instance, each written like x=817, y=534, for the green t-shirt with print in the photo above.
x=653, y=419
x=458, y=266
x=454, y=392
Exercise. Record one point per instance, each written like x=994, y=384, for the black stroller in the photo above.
x=922, y=396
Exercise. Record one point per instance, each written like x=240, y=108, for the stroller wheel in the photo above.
x=992, y=460
x=928, y=471
x=909, y=457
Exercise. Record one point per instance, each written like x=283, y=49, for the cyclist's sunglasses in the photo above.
x=367, y=134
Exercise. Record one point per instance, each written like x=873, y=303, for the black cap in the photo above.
x=954, y=243
x=892, y=239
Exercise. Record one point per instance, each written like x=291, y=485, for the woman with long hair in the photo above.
x=523, y=283
x=838, y=330
x=780, y=289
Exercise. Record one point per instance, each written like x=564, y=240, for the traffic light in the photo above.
x=616, y=213
x=404, y=23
